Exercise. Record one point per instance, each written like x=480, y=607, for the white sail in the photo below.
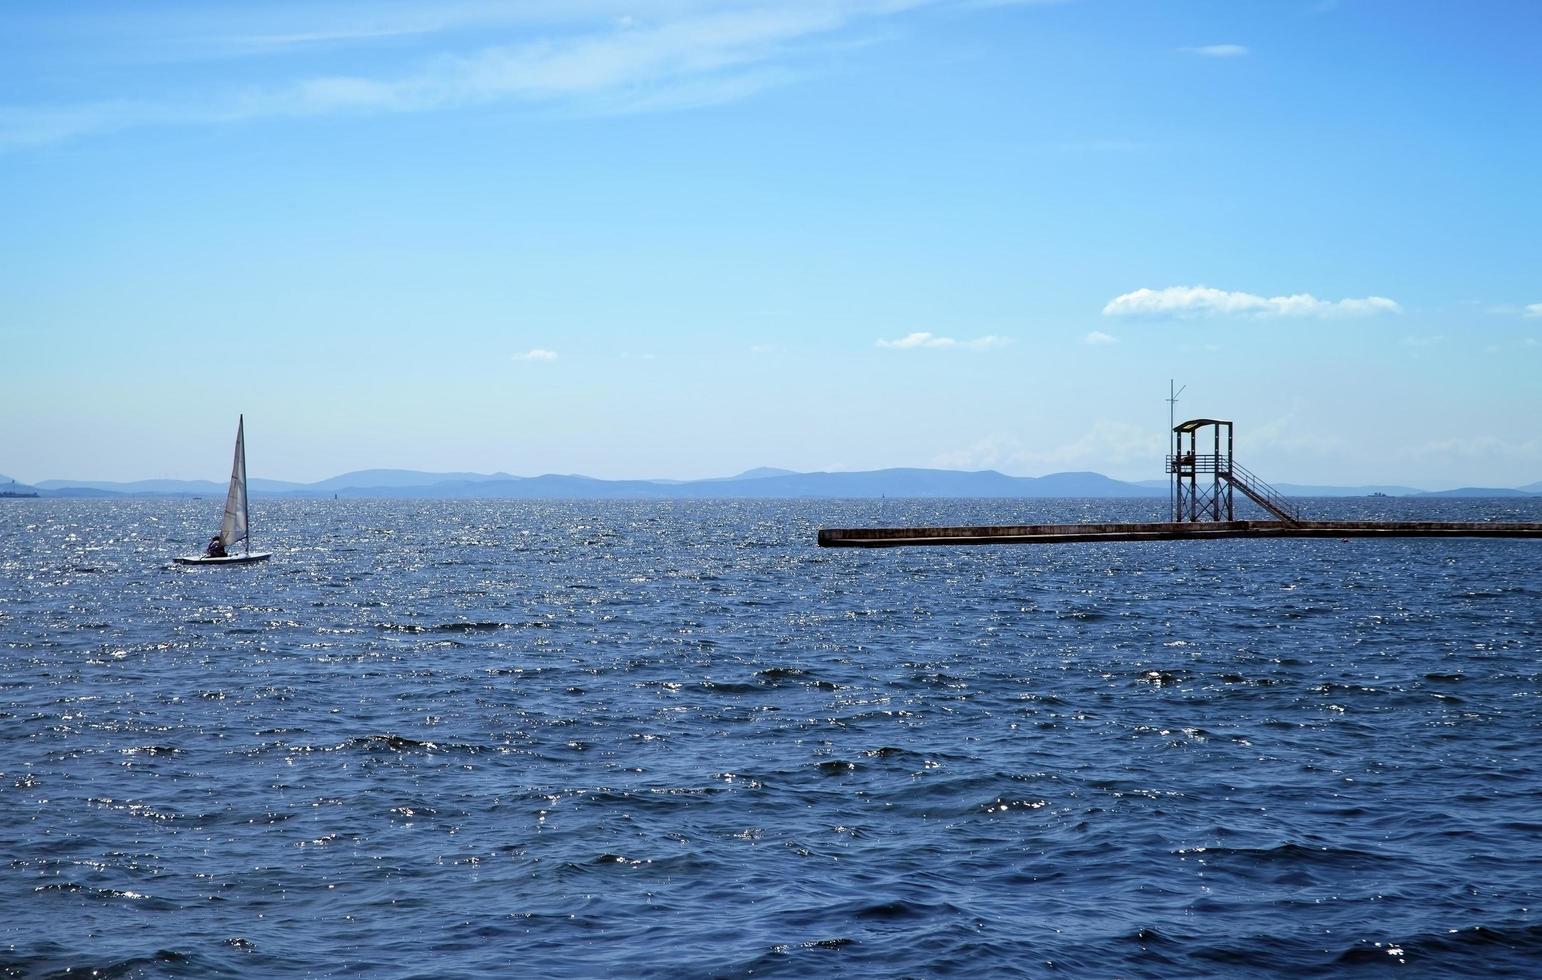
x=234, y=527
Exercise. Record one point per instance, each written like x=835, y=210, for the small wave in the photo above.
x=1293, y=853
x=152, y=750
x=729, y=687
x=607, y=858
x=461, y=627
x=1254, y=681
x=897, y=909
x=774, y=674
x=839, y=942
x=1004, y=805
x=778, y=676
x=142, y=900
x=836, y=767
x=134, y=808
x=892, y=752
x=390, y=743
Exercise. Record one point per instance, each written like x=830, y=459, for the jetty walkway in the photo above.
x=894, y=537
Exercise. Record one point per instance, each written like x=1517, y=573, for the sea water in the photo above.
x=437, y=739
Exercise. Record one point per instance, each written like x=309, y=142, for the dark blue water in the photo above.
x=676, y=739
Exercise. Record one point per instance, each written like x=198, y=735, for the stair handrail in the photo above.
x=1257, y=488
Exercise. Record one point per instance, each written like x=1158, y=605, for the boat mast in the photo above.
x=246, y=507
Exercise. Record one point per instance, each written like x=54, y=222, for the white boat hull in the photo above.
x=255, y=556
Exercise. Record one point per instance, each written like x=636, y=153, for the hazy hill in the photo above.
x=873, y=483
x=15, y=486
x=761, y=482
x=758, y=473
x=180, y=488
x=1317, y=490
x=1478, y=492
x=398, y=478
x=258, y=485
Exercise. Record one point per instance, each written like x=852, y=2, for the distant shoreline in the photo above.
x=763, y=483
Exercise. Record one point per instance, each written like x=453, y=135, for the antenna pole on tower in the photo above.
x=1172, y=423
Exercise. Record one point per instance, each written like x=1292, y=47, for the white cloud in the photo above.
x=1533, y=310
x=924, y=339
x=1204, y=301
x=537, y=354
x=1429, y=341
x=919, y=339
x=1218, y=50
x=1099, y=338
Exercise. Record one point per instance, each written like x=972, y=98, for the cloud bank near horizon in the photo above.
x=537, y=354
x=1194, y=301
x=922, y=339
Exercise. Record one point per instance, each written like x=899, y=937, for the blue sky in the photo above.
x=683, y=238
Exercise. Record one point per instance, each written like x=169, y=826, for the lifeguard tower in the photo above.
x=1205, y=474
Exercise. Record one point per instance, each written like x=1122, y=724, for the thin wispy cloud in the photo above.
x=537, y=354
x=590, y=56
x=1192, y=301
x=1218, y=50
x=709, y=44
x=924, y=340
x=1476, y=447
x=1106, y=444
x=1533, y=310
x=1098, y=338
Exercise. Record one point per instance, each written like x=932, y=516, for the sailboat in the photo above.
x=236, y=528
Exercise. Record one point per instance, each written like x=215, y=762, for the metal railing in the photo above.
x=1201, y=463
x=1228, y=469
x=1262, y=493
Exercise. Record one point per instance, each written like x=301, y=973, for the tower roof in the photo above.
x=1193, y=424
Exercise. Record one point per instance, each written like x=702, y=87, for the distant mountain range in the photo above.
x=1309, y=490
x=762, y=482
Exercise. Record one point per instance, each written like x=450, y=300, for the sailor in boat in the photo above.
x=216, y=548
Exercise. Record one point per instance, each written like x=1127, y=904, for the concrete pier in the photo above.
x=894, y=537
